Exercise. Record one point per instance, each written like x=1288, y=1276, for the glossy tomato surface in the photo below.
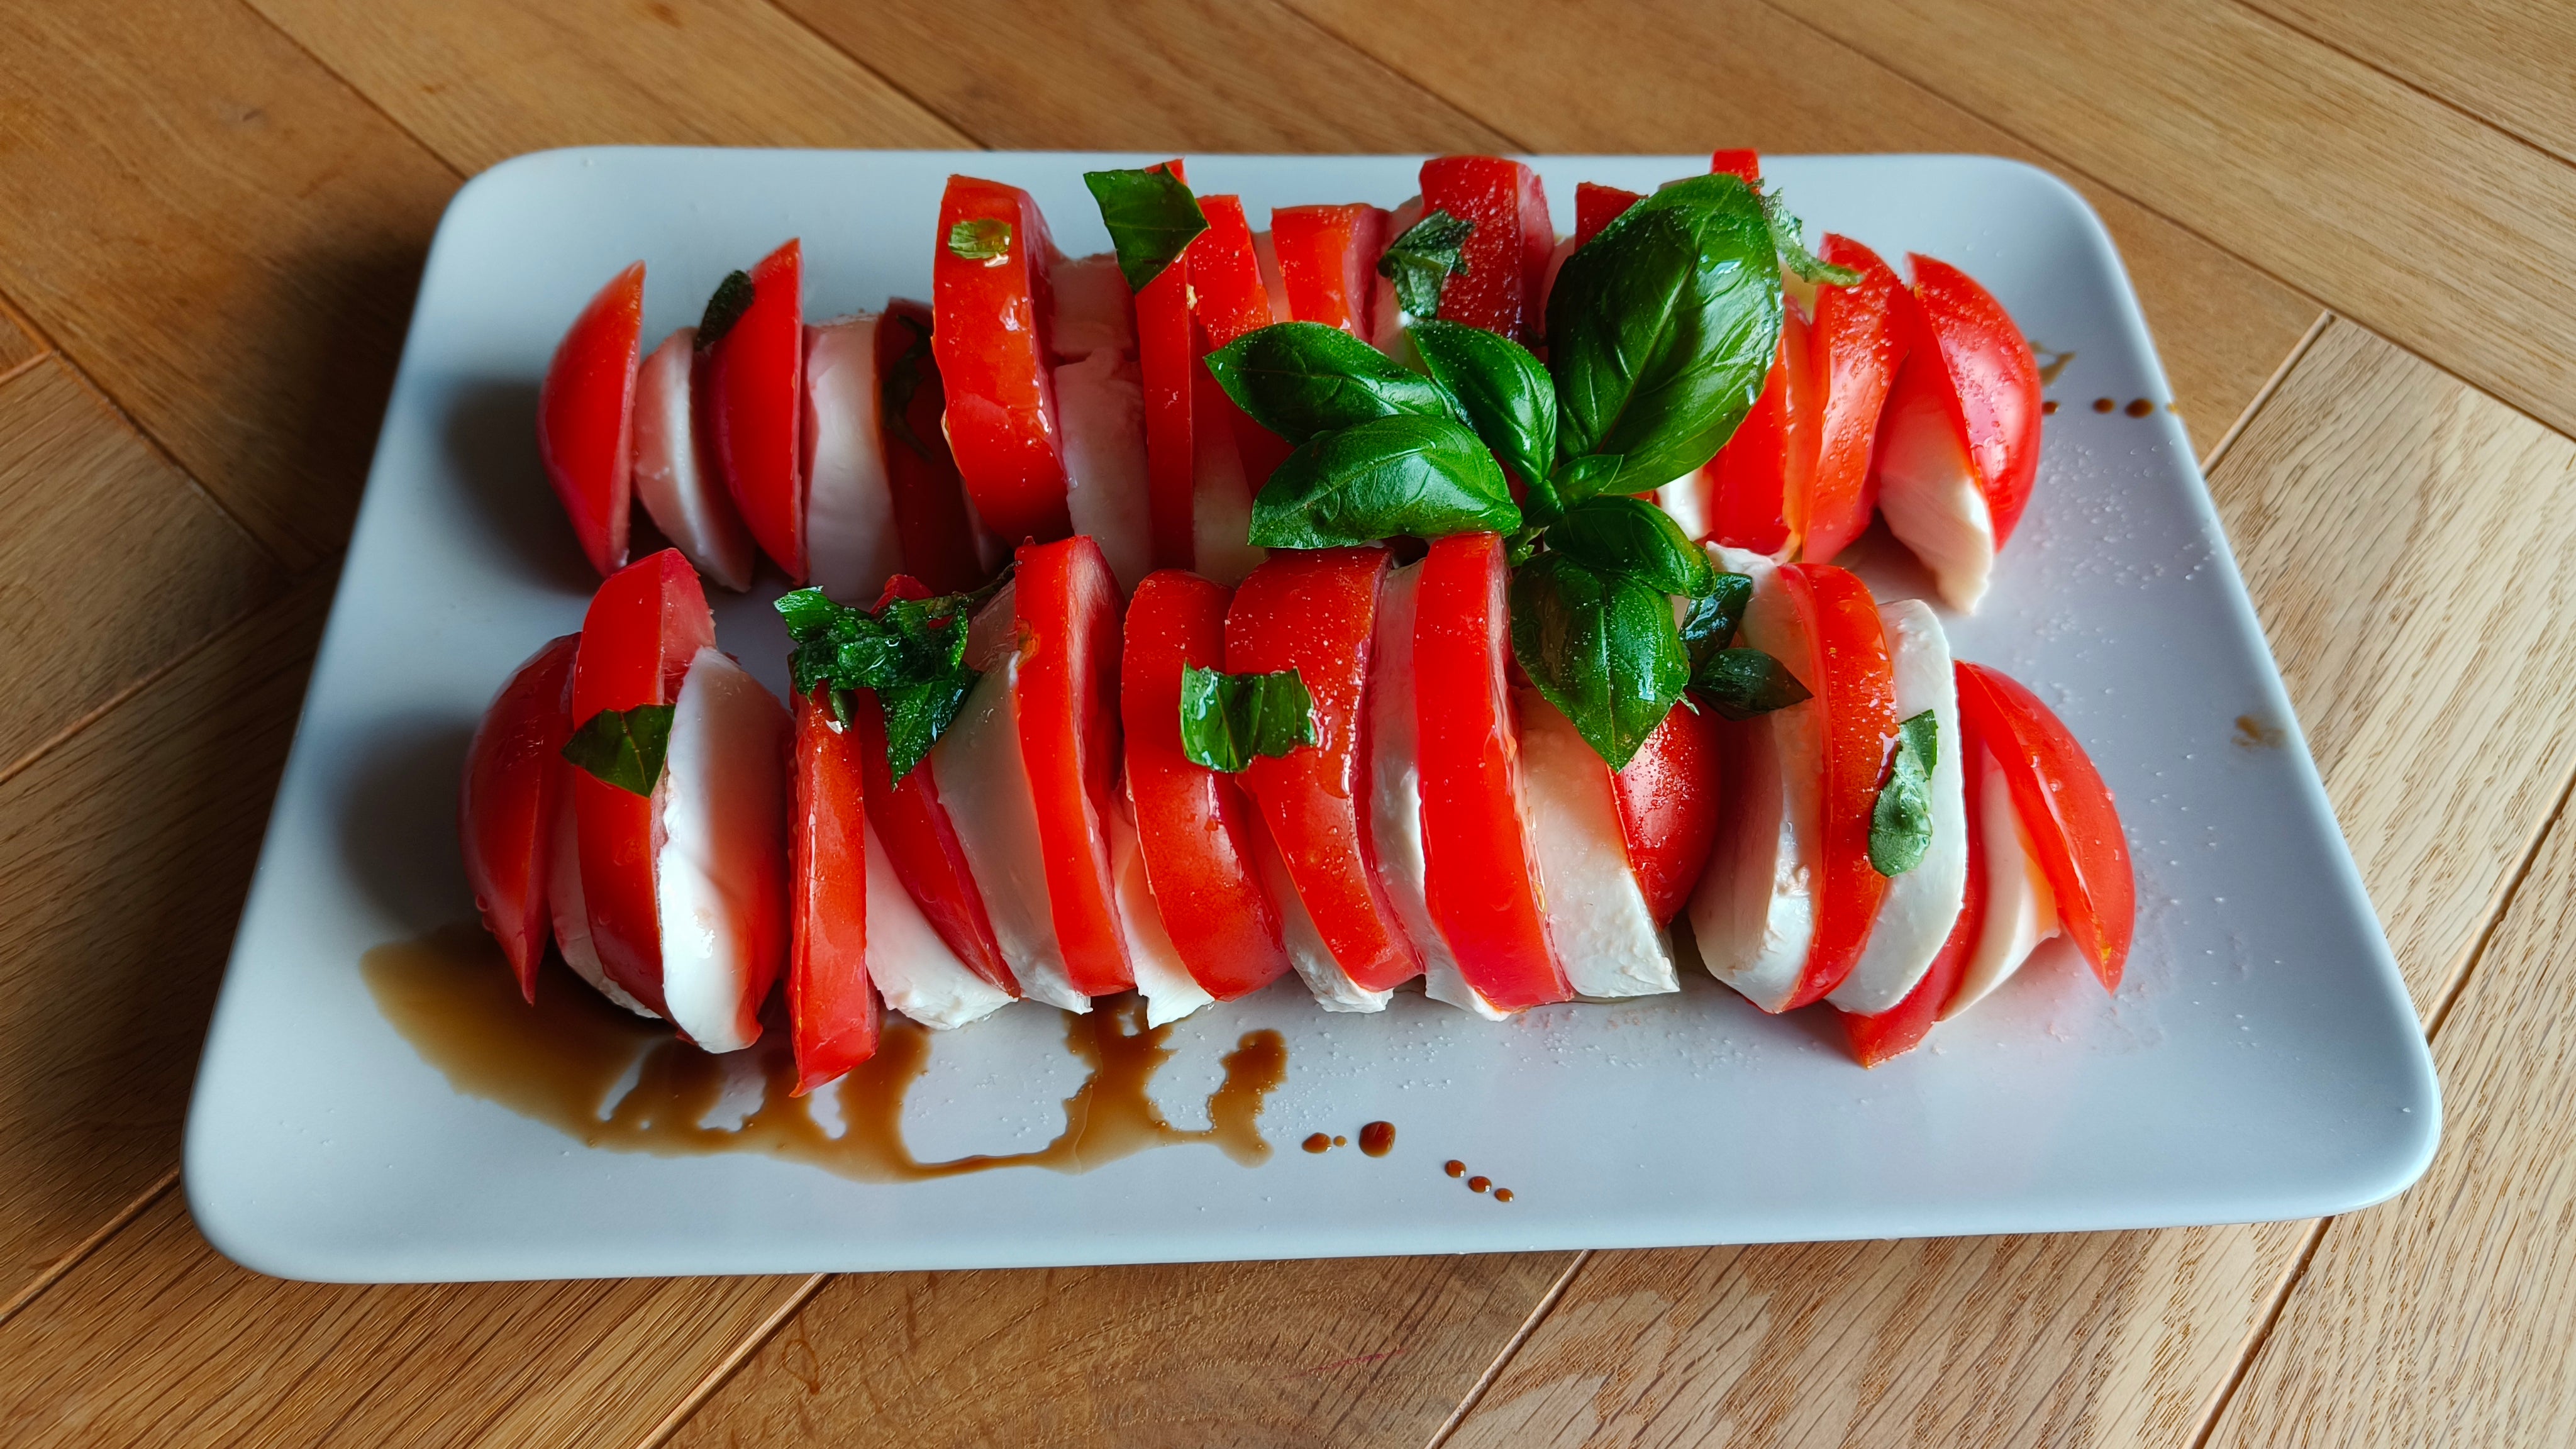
x=1067, y=698
x=990, y=300
x=1854, y=685
x=754, y=407
x=930, y=518
x=1993, y=378
x=1597, y=206
x=1759, y=480
x=506, y=811
x=2067, y=811
x=1506, y=254
x=1328, y=262
x=1668, y=806
x=1855, y=347
x=1902, y=1027
x=832, y=1012
x=1167, y=357
x=585, y=415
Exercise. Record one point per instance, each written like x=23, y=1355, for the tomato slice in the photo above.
x=1597, y=206
x=505, y=815
x=1854, y=685
x=2066, y=811
x=1746, y=164
x=1480, y=874
x=1506, y=255
x=1068, y=607
x=1758, y=482
x=1993, y=383
x=645, y=625
x=585, y=414
x=1902, y=1027
x=755, y=406
x=1312, y=610
x=1193, y=824
x=1854, y=350
x=1328, y=262
x=922, y=845
x=1668, y=807
x=1230, y=299
x=990, y=338
x=832, y=1012
x=674, y=479
x=930, y=517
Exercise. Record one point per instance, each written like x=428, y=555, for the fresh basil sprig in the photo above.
x=1602, y=648
x=912, y=652
x=624, y=747
x=1740, y=683
x=1152, y=218
x=1789, y=239
x=1716, y=615
x=1304, y=379
x=1620, y=534
x=980, y=239
x=1900, y=824
x=1501, y=390
x=1425, y=477
x=1420, y=260
x=1227, y=720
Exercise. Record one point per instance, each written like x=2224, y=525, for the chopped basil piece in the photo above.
x=1386, y=478
x=1628, y=535
x=624, y=747
x=1152, y=218
x=982, y=239
x=732, y=298
x=1742, y=683
x=1900, y=825
x=1227, y=720
x=1304, y=379
x=1789, y=239
x=1715, y=616
x=1601, y=647
x=1419, y=262
x=912, y=652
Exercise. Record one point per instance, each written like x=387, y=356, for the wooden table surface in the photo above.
x=2353, y=223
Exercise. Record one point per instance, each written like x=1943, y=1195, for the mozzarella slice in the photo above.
x=2021, y=910
x=912, y=967
x=572, y=913
x=679, y=491
x=851, y=547
x=1331, y=986
x=1220, y=502
x=1929, y=495
x=1597, y=920
x=1387, y=317
x=985, y=787
x=1100, y=401
x=1265, y=257
x=720, y=862
x=1093, y=312
x=1922, y=904
x=1170, y=991
x=1686, y=499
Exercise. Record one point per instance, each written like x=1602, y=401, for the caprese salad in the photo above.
x=1391, y=596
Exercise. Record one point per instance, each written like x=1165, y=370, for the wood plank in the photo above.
x=124, y=853
x=2499, y=60
x=2442, y=1318
x=479, y=81
x=1633, y=75
x=155, y=1339
x=79, y=491
x=2392, y=208
x=1150, y=75
x=220, y=234
x=18, y=346
x=1341, y=1353
x=2124, y=1338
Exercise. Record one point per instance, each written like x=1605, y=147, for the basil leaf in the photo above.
x=912, y=653
x=732, y=298
x=1152, y=218
x=1900, y=824
x=1419, y=262
x=1504, y=392
x=1715, y=616
x=1601, y=647
x=1620, y=534
x=1586, y=477
x=1742, y=683
x=982, y=239
x=1789, y=240
x=1662, y=329
x=1386, y=478
x=624, y=747
x=1229, y=719
x=916, y=715
x=1301, y=379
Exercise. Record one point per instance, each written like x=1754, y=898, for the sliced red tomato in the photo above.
x=2073, y=826
x=991, y=307
x=1746, y=164
x=755, y=407
x=1506, y=255
x=505, y=815
x=1067, y=700
x=1758, y=482
x=645, y=625
x=1225, y=274
x=832, y=1011
x=1902, y=1027
x=1855, y=348
x=1193, y=824
x=586, y=413
x=1479, y=873
x=1987, y=381
x=1854, y=683
x=1313, y=610
x=923, y=848
x=1328, y=262
x=930, y=517
x=1167, y=357
x=1597, y=206
x=1668, y=804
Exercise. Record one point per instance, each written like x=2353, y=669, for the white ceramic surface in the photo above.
x=2261, y=1061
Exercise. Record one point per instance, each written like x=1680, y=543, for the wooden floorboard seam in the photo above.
x=1427, y=88
x=24, y=364
x=1511, y=1349
x=733, y=1360
x=71, y=1259
x=2404, y=81
x=2459, y=983
x=2299, y=349
x=353, y=88
x=2255, y=1336
x=888, y=81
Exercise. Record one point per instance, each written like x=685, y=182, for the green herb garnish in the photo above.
x=911, y=652
x=1227, y=720
x=1410, y=475
x=1152, y=219
x=1900, y=825
x=1419, y=261
x=624, y=747
x=982, y=239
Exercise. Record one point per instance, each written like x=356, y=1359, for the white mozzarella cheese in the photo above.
x=1093, y=312
x=1220, y=501
x=912, y=967
x=1162, y=978
x=851, y=547
x=1265, y=257
x=571, y=911
x=1100, y=401
x=679, y=491
x=720, y=868
x=1686, y=499
x=1929, y=495
x=985, y=787
x=1597, y=921
x=2021, y=910
x=1922, y=904
x=1331, y=986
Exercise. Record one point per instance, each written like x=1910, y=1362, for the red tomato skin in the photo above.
x=1192, y=823
x=832, y=1011
x=586, y=417
x=1855, y=347
x=1328, y=262
x=922, y=846
x=1597, y=206
x=930, y=518
x=1506, y=254
x=991, y=341
x=1744, y=164
x=505, y=814
x=1167, y=354
x=1225, y=273
x=1760, y=479
x=1312, y=610
x=644, y=626
x=1067, y=696
x=755, y=381
x=1479, y=875
x=1668, y=807
x=1902, y=1027
x=1993, y=388
x=2061, y=799
x=1855, y=686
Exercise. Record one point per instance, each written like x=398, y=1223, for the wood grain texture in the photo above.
x=79, y=491
x=2502, y=61
x=1189, y=1355
x=2442, y=1318
x=156, y=1340
x=220, y=234
x=480, y=81
x=1153, y=75
x=124, y=853
x=2117, y=1339
x=2394, y=209
x=18, y=346
x=1643, y=75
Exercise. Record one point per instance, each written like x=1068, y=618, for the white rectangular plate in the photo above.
x=2261, y=1061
